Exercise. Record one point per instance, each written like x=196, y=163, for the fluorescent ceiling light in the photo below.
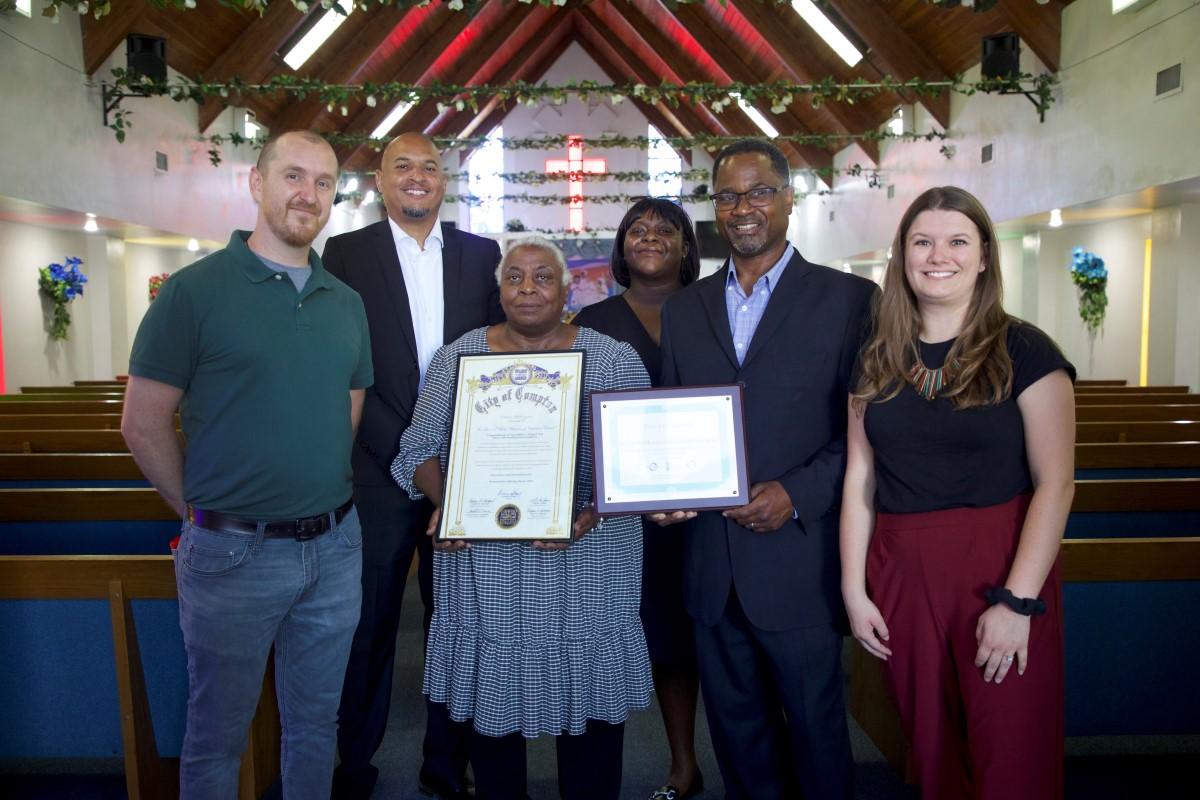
x=820, y=23
x=193, y=246
x=369, y=197
x=317, y=34
x=754, y=114
x=252, y=128
x=390, y=120
x=351, y=184
x=90, y=225
x=1129, y=5
x=1056, y=218
x=25, y=7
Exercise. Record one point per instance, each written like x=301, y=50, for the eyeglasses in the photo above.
x=759, y=197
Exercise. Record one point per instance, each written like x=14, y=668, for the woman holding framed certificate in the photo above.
x=655, y=255
x=537, y=634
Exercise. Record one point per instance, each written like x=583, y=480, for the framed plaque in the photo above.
x=678, y=449
x=514, y=441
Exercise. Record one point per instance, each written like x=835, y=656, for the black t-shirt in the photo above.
x=931, y=456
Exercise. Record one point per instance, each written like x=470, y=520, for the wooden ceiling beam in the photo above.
x=415, y=70
x=653, y=113
x=698, y=25
x=695, y=116
x=780, y=28
x=893, y=52
x=684, y=116
x=734, y=119
x=532, y=68
x=251, y=56
x=374, y=28
x=1039, y=26
x=497, y=68
x=102, y=36
x=466, y=71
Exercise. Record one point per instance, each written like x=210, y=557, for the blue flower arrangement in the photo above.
x=1091, y=276
x=61, y=284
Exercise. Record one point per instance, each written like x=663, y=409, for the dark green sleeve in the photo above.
x=165, y=347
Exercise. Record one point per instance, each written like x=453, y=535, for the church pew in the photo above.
x=1090, y=399
x=22, y=422
x=1128, y=390
x=83, y=470
x=1119, y=571
x=23, y=406
x=106, y=465
x=118, y=381
x=1086, y=382
x=58, y=694
x=119, y=390
x=66, y=521
x=73, y=397
x=1137, y=460
x=63, y=441
x=1136, y=413
x=1180, y=431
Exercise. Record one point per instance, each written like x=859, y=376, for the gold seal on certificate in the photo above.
x=677, y=449
x=514, y=440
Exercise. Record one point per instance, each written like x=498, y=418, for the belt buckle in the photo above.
x=309, y=528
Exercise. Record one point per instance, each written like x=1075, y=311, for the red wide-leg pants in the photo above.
x=927, y=573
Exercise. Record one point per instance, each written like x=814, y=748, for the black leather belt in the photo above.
x=298, y=529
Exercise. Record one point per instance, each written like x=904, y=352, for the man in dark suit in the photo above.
x=423, y=284
x=762, y=581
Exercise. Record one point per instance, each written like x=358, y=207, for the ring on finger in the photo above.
x=1008, y=659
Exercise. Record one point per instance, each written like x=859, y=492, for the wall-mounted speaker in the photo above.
x=146, y=56
x=1001, y=55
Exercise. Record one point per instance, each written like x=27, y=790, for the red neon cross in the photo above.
x=575, y=165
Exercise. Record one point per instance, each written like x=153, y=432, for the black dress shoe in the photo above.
x=356, y=785
x=441, y=788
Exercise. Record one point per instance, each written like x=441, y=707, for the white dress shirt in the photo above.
x=422, y=269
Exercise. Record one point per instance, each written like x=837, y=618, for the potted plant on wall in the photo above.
x=60, y=285
x=156, y=282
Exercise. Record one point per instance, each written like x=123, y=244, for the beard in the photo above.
x=298, y=232
x=414, y=213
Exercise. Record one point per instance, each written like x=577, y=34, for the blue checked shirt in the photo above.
x=746, y=311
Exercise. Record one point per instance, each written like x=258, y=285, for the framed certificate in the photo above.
x=514, y=441
x=678, y=449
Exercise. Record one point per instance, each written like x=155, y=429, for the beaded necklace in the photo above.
x=929, y=382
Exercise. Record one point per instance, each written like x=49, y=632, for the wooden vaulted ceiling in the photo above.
x=632, y=41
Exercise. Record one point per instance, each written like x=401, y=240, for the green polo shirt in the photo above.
x=266, y=374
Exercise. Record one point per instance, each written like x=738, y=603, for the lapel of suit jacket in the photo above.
x=713, y=298
x=785, y=299
x=451, y=278
x=393, y=276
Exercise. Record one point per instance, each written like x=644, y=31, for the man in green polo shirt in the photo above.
x=266, y=356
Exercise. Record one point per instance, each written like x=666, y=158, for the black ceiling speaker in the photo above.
x=1001, y=55
x=146, y=56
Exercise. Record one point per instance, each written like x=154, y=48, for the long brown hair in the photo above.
x=984, y=373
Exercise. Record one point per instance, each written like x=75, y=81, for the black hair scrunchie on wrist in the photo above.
x=1025, y=606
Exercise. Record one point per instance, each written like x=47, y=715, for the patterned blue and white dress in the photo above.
x=528, y=640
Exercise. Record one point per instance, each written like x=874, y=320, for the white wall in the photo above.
x=58, y=152
x=1105, y=134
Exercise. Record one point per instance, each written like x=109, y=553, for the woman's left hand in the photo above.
x=585, y=521
x=1003, y=635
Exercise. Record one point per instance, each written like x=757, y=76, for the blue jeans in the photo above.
x=239, y=593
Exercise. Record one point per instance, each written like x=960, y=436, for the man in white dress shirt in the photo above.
x=423, y=284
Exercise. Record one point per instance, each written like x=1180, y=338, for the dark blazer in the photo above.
x=366, y=260
x=795, y=378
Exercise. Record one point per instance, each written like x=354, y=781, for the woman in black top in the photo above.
x=959, y=479
x=654, y=256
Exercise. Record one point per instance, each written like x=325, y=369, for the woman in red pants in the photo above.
x=959, y=479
